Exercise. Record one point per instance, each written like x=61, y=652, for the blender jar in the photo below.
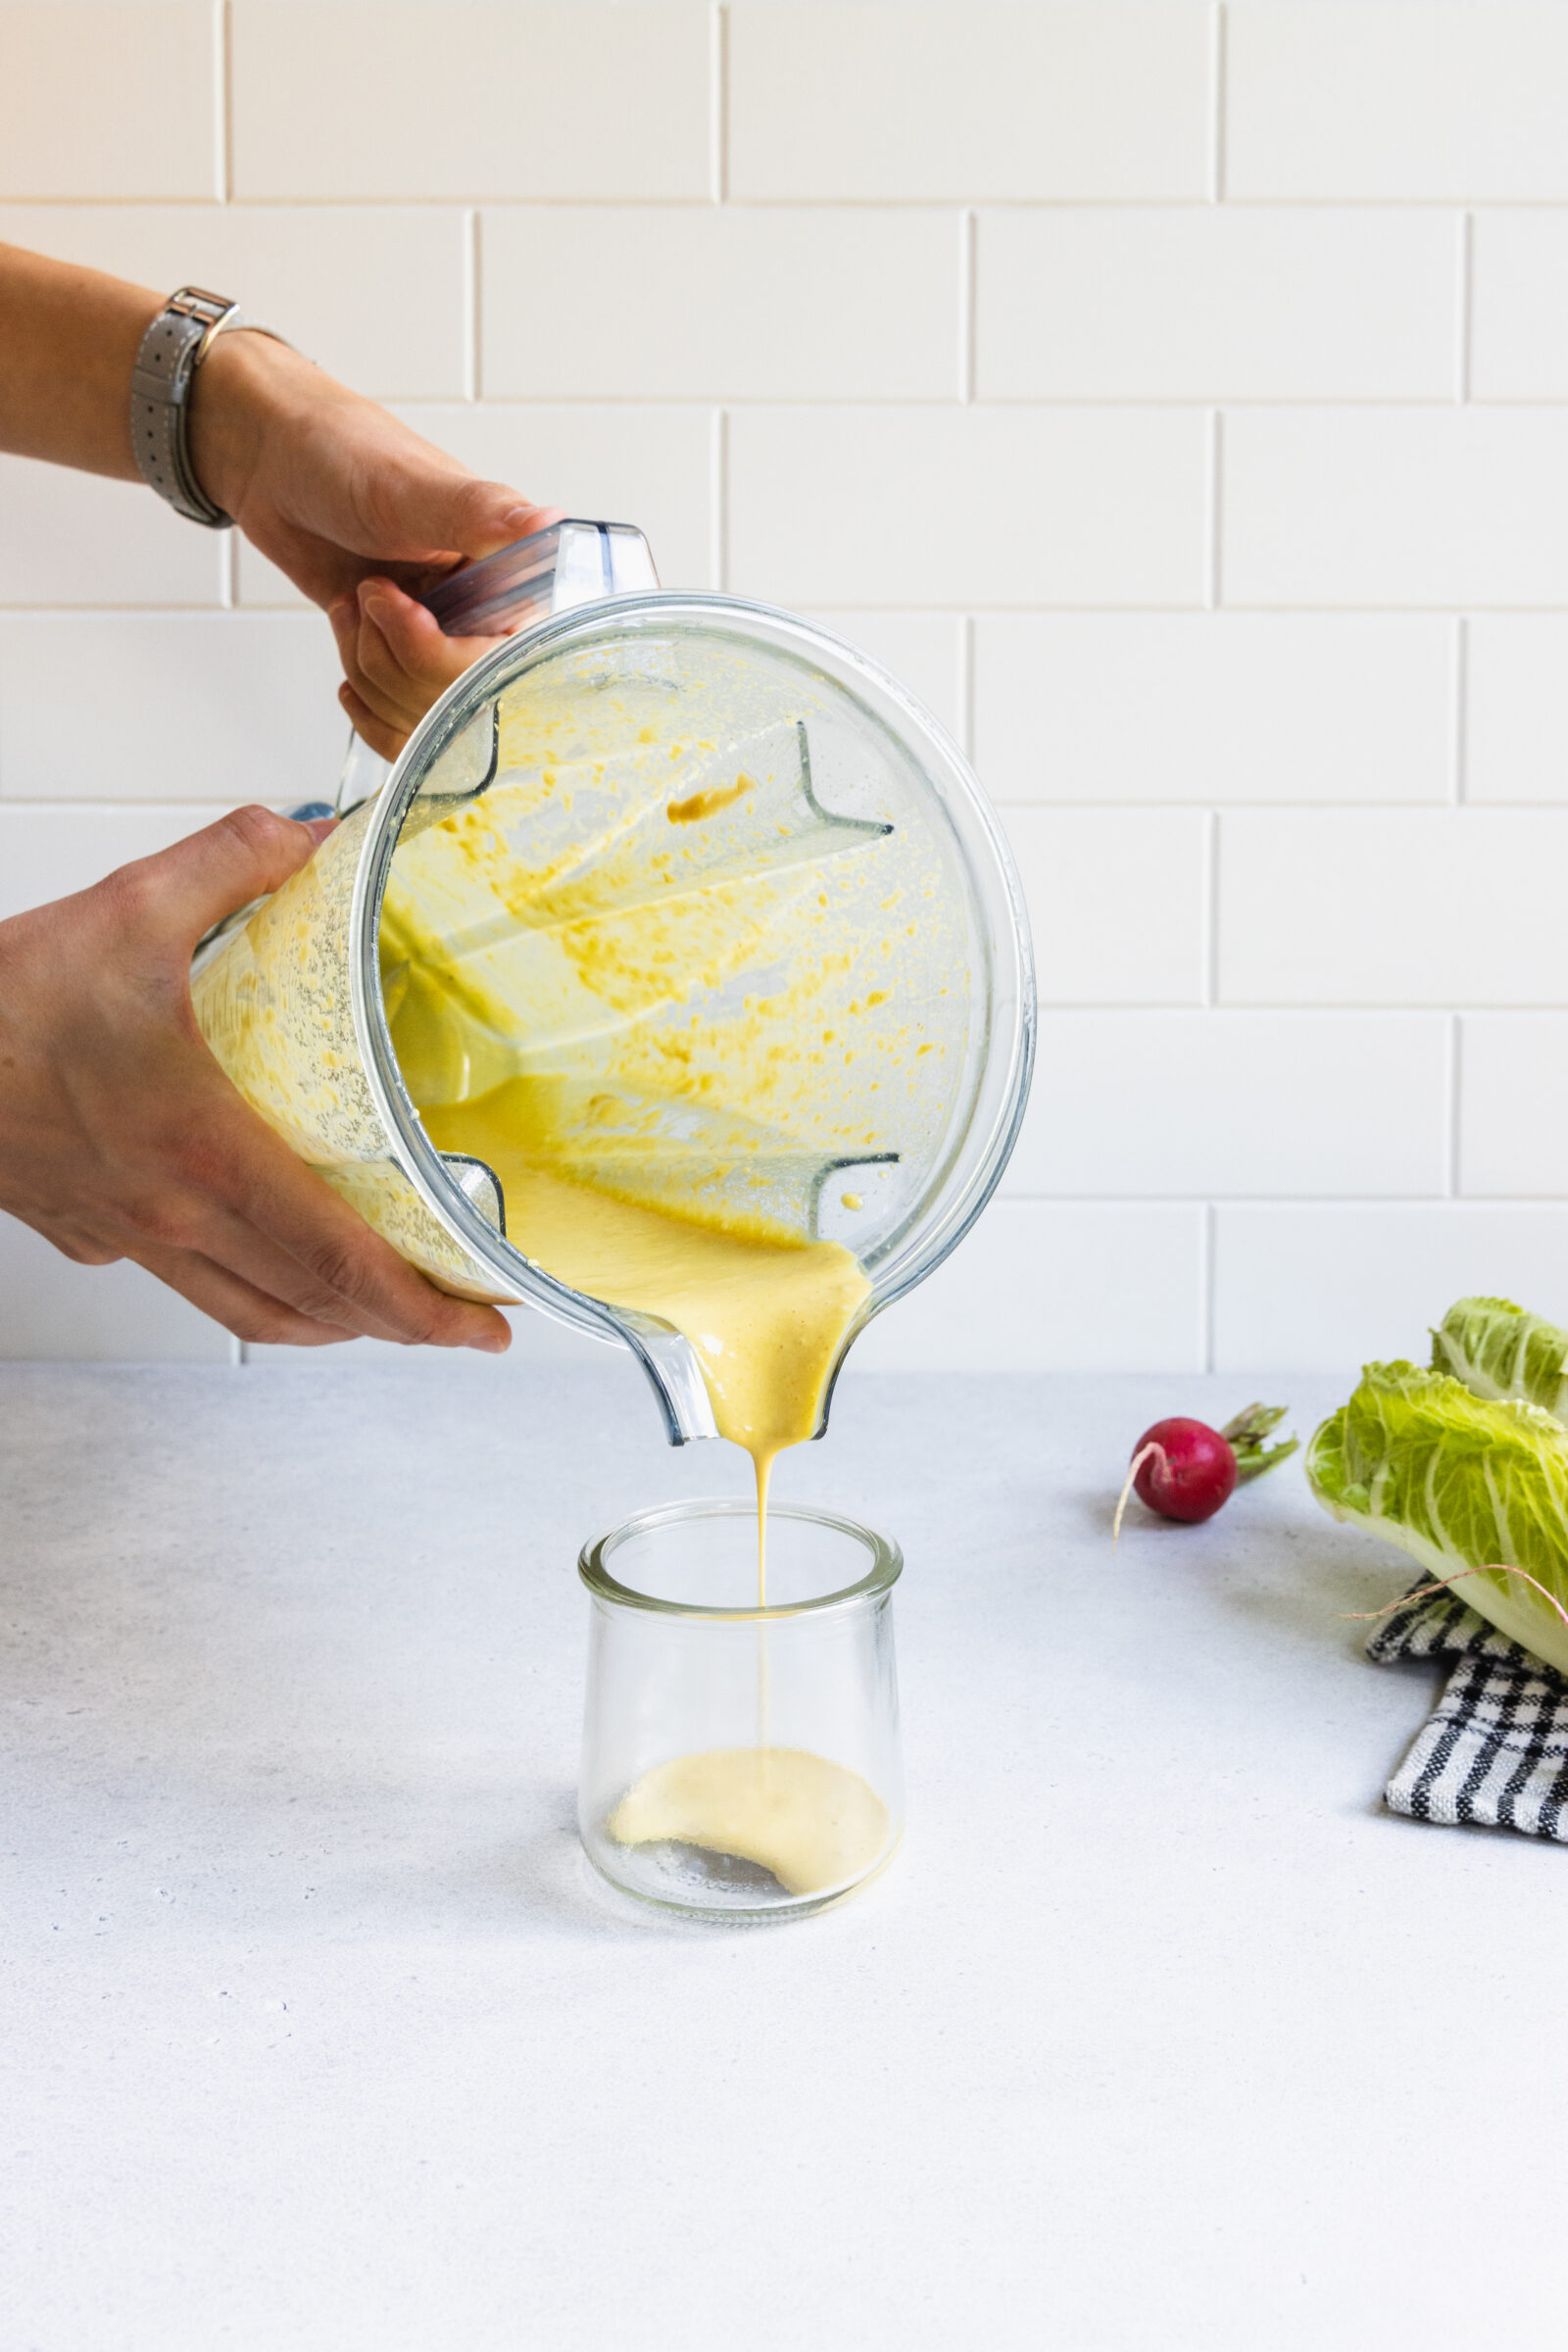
x=709, y=886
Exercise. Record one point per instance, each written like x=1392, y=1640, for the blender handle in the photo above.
x=572, y=562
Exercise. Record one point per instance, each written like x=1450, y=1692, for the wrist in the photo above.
x=245, y=386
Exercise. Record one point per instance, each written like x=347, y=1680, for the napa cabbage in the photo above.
x=1498, y=1350
x=1465, y=1473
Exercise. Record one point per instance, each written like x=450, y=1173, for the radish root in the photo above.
x=1133, y=1468
x=1492, y=1568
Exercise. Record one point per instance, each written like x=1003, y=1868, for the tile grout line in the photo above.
x=1213, y=464
x=223, y=111
x=1051, y=405
x=1454, y=1078
x=1177, y=201
x=718, y=104
x=1217, y=53
x=718, y=491
x=1466, y=305
x=1457, y=766
x=1337, y=1203
x=470, y=306
x=1208, y=901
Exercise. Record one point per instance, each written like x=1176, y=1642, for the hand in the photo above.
x=121, y=1137
x=398, y=658
x=355, y=509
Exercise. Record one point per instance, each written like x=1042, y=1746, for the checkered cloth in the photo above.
x=1495, y=1749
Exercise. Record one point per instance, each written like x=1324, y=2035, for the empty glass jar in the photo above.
x=740, y=1761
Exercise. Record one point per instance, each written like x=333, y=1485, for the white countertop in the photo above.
x=319, y=2035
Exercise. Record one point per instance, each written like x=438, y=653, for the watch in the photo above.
x=172, y=350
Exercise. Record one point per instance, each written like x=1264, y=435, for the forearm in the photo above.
x=67, y=343
x=338, y=494
x=69, y=340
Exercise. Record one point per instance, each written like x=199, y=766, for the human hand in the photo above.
x=357, y=509
x=121, y=1137
x=398, y=659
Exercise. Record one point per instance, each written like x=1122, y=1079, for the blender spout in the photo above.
x=674, y=1376
x=859, y=1324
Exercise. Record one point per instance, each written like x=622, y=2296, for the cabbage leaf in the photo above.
x=1459, y=1480
x=1498, y=1350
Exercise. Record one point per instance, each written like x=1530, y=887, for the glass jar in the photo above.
x=740, y=1759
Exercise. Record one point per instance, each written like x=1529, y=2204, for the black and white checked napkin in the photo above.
x=1494, y=1749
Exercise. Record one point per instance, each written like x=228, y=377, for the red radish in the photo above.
x=1185, y=1470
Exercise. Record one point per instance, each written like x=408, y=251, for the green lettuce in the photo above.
x=1498, y=1350
x=1459, y=1480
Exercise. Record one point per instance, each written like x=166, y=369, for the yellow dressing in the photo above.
x=554, y=1021
x=551, y=959
x=767, y=1318
x=707, y=803
x=814, y=1823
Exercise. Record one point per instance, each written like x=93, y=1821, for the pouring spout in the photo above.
x=674, y=1376
x=830, y=1387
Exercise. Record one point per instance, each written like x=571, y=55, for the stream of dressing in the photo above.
x=674, y=957
x=767, y=1321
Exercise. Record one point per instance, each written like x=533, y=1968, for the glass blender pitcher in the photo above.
x=710, y=885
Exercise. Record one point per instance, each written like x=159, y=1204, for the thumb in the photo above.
x=457, y=513
x=181, y=891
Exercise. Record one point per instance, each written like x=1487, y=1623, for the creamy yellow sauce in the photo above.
x=535, y=1002
x=699, y=805
x=664, y=1159
x=766, y=1319
x=814, y=1823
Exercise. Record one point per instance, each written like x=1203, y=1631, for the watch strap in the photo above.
x=172, y=350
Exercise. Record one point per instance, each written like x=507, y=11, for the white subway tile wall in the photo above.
x=1434, y=507
x=930, y=505
x=1212, y=707
x=1513, y=1129
x=1215, y=303
x=342, y=284
x=1117, y=902
x=1520, y=298
x=1172, y=393
x=727, y=303
x=549, y=101
x=109, y=98
x=1516, y=707
x=970, y=101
